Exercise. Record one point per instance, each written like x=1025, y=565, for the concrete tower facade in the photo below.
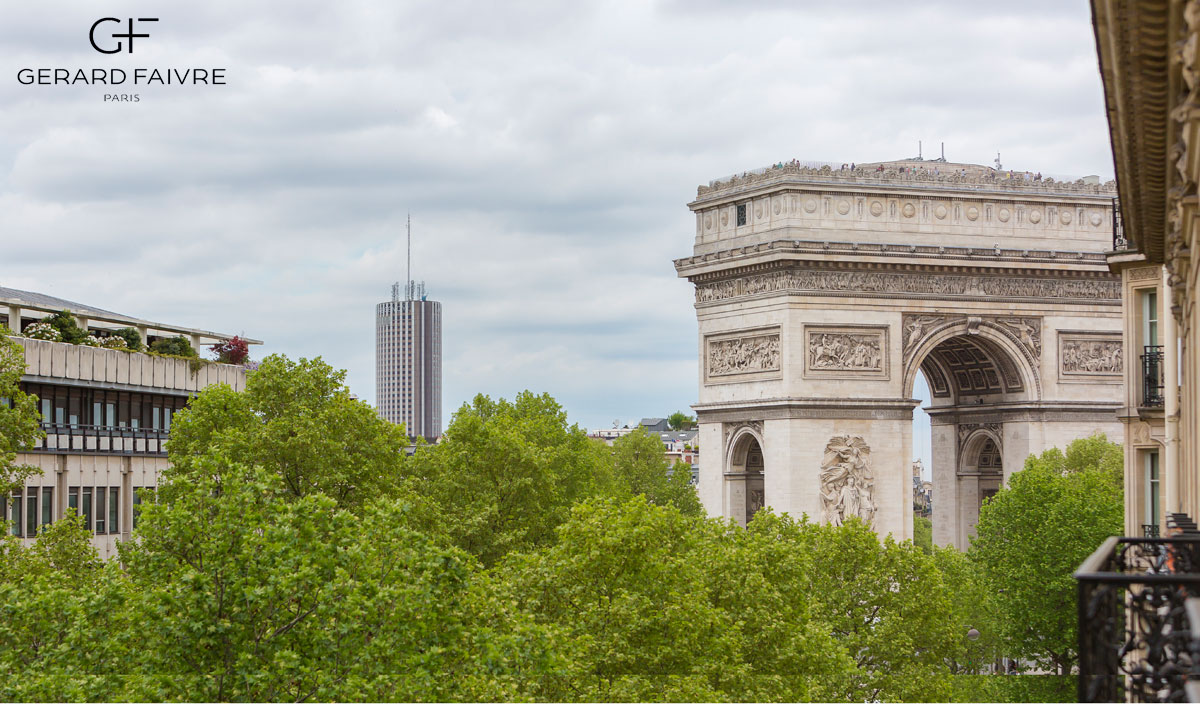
x=408, y=361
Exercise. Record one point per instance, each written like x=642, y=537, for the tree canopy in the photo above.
x=20, y=422
x=1033, y=535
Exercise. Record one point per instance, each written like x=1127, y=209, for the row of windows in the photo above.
x=31, y=510
x=68, y=405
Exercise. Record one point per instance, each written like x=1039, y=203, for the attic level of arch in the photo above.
x=782, y=206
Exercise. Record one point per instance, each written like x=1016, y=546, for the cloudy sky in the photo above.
x=546, y=151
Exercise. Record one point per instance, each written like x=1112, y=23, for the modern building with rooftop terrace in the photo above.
x=106, y=414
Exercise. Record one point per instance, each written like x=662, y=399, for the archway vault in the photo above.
x=991, y=358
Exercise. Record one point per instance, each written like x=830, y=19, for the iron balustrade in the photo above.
x=1152, y=376
x=1120, y=243
x=1150, y=530
x=1135, y=636
x=105, y=439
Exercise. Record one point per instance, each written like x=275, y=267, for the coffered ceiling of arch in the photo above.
x=963, y=366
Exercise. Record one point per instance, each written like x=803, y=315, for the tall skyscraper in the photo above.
x=408, y=359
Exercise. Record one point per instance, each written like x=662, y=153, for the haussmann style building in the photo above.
x=1139, y=620
x=106, y=414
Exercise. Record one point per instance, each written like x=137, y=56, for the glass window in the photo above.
x=110, y=414
x=155, y=418
x=16, y=514
x=73, y=499
x=137, y=505
x=97, y=419
x=741, y=215
x=47, y=412
x=114, y=524
x=31, y=507
x=1150, y=317
x=1153, y=495
x=167, y=419
x=47, y=505
x=100, y=514
x=86, y=508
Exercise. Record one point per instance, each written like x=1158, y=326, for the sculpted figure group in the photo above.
x=847, y=483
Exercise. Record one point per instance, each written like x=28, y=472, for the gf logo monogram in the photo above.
x=129, y=34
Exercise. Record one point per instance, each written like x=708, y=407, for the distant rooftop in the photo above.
x=32, y=301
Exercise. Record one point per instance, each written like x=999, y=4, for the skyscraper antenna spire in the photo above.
x=408, y=272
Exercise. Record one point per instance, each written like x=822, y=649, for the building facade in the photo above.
x=408, y=362
x=821, y=293
x=106, y=414
x=1137, y=629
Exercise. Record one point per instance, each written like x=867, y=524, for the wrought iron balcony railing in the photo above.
x=1152, y=376
x=1135, y=636
x=1120, y=243
x=1149, y=530
x=101, y=439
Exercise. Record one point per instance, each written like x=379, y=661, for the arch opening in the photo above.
x=745, y=490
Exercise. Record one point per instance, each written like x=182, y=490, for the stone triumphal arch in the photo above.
x=820, y=294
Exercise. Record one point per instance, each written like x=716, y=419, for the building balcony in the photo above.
x=1120, y=243
x=101, y=439
x=1152, y=376
x=1136, y=610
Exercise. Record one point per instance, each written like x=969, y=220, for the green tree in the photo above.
x=242, y=591
x=20, y=422
x=1034, y=533
x=631, y=601
x=64, y=635
x=298, y=420
x=923, y=534
x=505, y=474
x=889, y=606
x=681, y=421
x=640, y=467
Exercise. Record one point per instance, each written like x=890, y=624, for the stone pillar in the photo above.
x=945, y=484
x=711, y=465
x=14, y=319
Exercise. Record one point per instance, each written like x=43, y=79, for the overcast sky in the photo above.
x=546, y=151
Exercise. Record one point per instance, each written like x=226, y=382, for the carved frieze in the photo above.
x=847, y=482
x=1144, y=273
x=1083, y=355
x=944, y=285
x=846, y=351
x=742, y=353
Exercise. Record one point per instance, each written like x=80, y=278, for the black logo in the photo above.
x=130, y=34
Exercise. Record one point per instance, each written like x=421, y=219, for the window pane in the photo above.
x=100, y=515
x=31, y=505
x=46, y=410
x=16, y=514
x=86, y=510
x=156, y=420
x=47, y=505
x=73, y=499
x=114, y=525
x=110, y=414
x=137, y=504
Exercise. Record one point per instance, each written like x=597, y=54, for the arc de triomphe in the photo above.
x=820, y=293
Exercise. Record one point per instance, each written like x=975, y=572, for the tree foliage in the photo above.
x=505, y=474
x=681, y=421
x=20, y=422
x=295, y=553
x=640, y=467
x=1033, y=535
x=298, y=420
